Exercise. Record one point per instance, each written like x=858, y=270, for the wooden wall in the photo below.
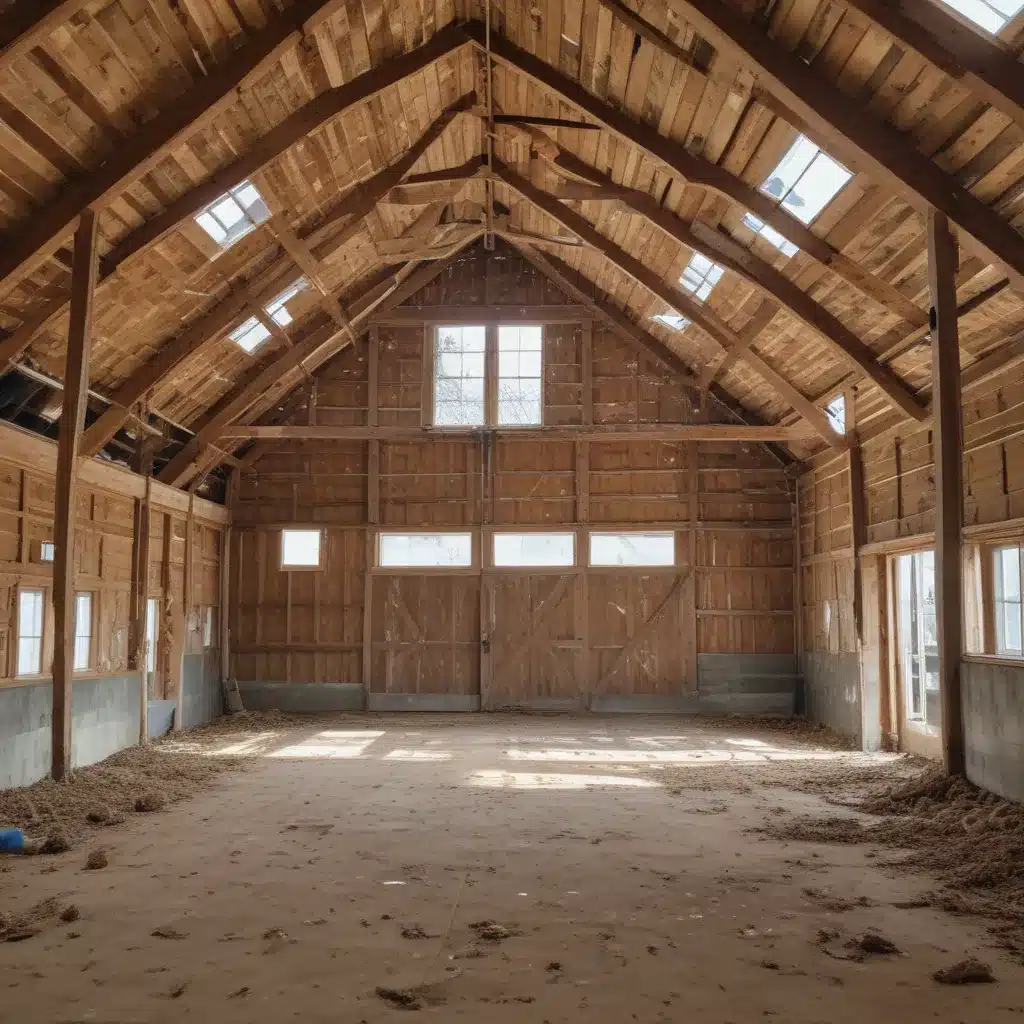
x=109, y=501
x=731, y=502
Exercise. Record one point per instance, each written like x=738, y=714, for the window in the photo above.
x=918, y=637
x=836, y=413
x=459, y=359
x=251, y=333
x=46, y=551
x=30, y=632
x=1007, y=609
x=300, y=549
x=425, y=550
x=767, y=232
x=152, y=633
x=672, y=320
x=701, y=276
x=640, y=549
x=519, y=375
x=83, y=632
x=207, y=625
x=991, y=15
x=534, y=549
x=233, y=215
x=806, y=180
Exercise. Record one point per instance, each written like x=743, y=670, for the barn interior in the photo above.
x=512, y=508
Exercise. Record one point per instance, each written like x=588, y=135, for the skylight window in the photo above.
x=806, y=180
x=251, y=333
x=701, y=276
x=836, y=413
x=672, y=320
x=767, y=232
x=991, y=15
x=233, y=215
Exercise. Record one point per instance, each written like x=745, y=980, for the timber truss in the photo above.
x=575, y=212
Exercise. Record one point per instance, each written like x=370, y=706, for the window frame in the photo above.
x=89, y=665
x=251, y=222
x=289, y=567
x=954, y=12
x=578, y=535
x=472, y=569
x=780, y=200
x=918, y=722
x=709, y=277
x=208, y=626
x=676, y=566
x=993, y=554
x=491, y=377
x=152, y=653
x=39, y=672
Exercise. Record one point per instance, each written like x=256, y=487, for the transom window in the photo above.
x=534, y=549
x=233, y=215
x=425, y=550
x=701, y=276
x=1009, y=627
x=633, y=549
x=488, y=376
x=991, y=15
x=251, y=333
x=672, y=321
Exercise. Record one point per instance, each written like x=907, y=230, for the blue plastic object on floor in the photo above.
x=11, y=840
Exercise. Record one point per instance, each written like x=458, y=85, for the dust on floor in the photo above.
x=518, y=868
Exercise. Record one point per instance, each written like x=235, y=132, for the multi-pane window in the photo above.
x=300, y=549
x=836, y=413
x=234, y=214
x=672, y=320
x=633, y=548
x=30, y=631
x=152, y=633
x=459, y=376
x=991, y=15
x=1007, y=606
x=701, y=276
x=251, y=333
x=519, y=375
x=489, y=376
x=425, y=550
x=918, y=637
x=534, y=549
x=805, y=181
x=83, y=632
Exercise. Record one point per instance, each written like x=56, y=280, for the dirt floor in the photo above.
x=508, y=868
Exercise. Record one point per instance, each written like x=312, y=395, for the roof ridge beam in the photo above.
x=699, y=171
x=889, y=155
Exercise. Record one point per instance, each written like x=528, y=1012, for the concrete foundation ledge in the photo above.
x=542, y=704
x=302, y=697
x=423, y=702
x=160, y=717
x=645, y=704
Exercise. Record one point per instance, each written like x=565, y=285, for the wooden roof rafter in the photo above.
x=886, y=153
x=26, y=26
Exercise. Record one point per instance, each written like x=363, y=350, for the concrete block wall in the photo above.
x=202, y=696
x=105, y=719
x=993, y=703
x=832, y=691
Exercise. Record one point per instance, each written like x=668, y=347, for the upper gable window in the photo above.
x=991, y=15
x=233, y=215
x=806, y=180
x=251, y=333
x=519, y=374
x=701, y=276
x=672, y=320
x=459, y=358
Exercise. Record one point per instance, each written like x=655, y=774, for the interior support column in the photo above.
x=72, y=420
x=947, y=439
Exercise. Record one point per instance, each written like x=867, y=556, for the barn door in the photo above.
x=533, y=651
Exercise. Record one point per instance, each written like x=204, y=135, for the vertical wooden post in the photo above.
x=72, y=420
x=858, y=514
x=187, y=618
x=223, y=622
x=947, y=434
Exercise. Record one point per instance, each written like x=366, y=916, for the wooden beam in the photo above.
x=272, y=280
x=978, y=62
x=477, y=314
x=320, y=346
x=948, y=440
x=665, y=432
x=292, y=129
x=889, y=155
x=31, y=241
x=30, y=22
x=672, y=296
x=680, y=162
x=724, y=250
x=72, y=418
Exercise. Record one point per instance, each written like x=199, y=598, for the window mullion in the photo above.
x=491, y=376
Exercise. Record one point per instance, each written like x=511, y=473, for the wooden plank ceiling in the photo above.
x=145, y=110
